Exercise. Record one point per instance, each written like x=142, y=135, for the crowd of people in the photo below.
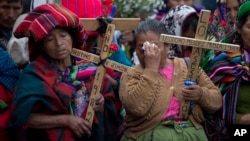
x=45, y=91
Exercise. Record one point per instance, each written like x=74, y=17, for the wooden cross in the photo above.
x=93, y=24
x=197, y=43
x=120, y=24
x=100, y=72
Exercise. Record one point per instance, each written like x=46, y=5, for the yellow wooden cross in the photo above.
x=197, y=43
x=120, y=24
x=93, y=24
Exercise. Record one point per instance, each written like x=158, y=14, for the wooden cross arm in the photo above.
x=172, y=39
x=120, y=23
x=96, y=59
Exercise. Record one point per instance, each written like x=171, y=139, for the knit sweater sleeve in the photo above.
x=138, y=91
x=211, y=99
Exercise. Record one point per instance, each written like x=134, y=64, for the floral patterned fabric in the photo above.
x=173, y=21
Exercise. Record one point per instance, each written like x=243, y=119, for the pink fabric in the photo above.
x=173, y=109
x=84, y=8
x=174, y=106
x=86, y=73
x=168, y=72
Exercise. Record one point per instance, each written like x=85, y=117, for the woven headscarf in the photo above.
x=43, y=19
x=243, y=10
x=175, y=17
x=84, y=8
x=173, y=21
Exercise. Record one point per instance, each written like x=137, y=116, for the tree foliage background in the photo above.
x=137, y=8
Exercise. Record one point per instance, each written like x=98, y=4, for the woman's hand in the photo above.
x=192, y=93
x=99, y=103
x=152, y=56
x=78, y=125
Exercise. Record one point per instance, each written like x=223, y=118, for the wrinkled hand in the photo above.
x=192, y=93
x=99, y=103
x=245, y=119
x=78, y=125
x=152, y=56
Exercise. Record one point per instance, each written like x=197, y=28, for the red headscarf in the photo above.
x=84, y=8
x=43, y=19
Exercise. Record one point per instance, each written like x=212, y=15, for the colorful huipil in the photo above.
x=75, y=77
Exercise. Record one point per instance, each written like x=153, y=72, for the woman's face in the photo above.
x=58, y=44
x=232, y=7
x=152, y=38
x=245, y=34
x=173, y=3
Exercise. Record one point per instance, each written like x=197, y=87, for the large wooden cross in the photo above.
x=197, y=44
x=120, y=24
x=193, y=67
x=92, y=24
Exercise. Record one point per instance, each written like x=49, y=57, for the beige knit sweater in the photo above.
x=146, y=95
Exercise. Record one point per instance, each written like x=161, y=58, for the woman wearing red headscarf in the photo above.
x=52, y=93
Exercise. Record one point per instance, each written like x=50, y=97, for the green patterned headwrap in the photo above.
x=244, y=8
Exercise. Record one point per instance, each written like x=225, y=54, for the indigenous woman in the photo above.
x=52, y=93
x=152, y=92
x=230, y=71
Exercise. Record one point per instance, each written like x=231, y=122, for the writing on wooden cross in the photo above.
x=92, y=24
x=99, y=72
x=96, y=59
x=100, y=69
x=197, y=44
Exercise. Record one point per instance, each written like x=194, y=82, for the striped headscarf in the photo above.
x=43, y=19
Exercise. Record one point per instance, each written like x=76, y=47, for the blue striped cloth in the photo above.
x=8, y=71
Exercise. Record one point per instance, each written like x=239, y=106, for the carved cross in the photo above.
x=120, y=23
x=197, y=44
x=93, y=24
